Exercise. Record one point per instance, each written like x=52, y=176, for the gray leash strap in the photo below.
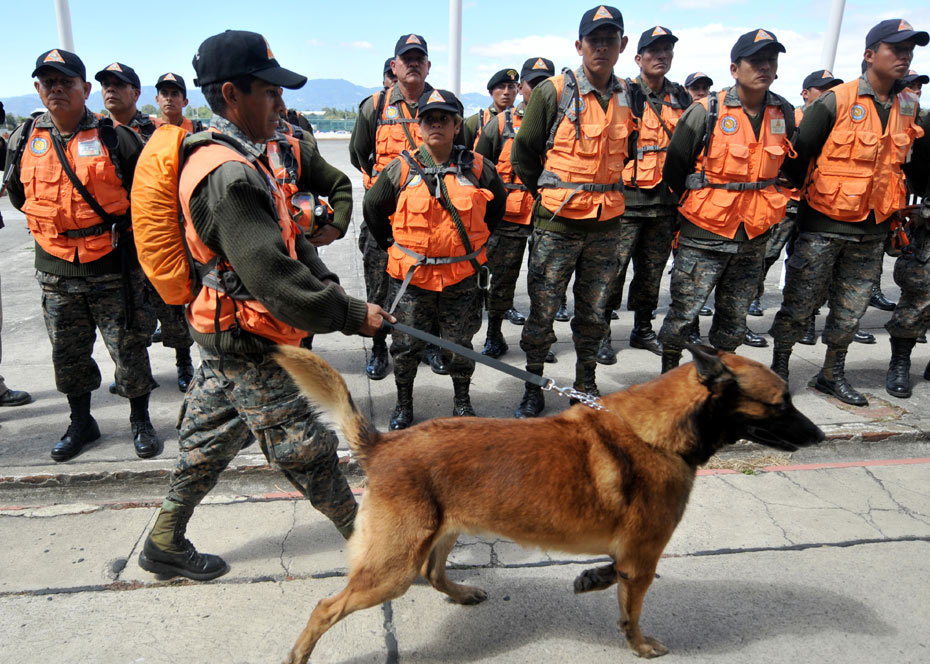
x=544, y=382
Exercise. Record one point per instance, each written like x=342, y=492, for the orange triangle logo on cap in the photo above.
x=904, y=25
x=435, y=97
x=413, y=39
x=658, y=31
x=762, y=35
x=602, y=13
x=169, y=77
x=268, y=49
x=54, y=56
x=114, y=67
x=827, y=74
x=540, y=64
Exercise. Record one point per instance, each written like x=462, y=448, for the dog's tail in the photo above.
x=326, y=391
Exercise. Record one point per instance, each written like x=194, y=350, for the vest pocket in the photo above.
x=772, y=158
x=840, y=144
x=45, y=181
x=902, y=144
x=841, y=194
x=737, y=161
x=866, y=147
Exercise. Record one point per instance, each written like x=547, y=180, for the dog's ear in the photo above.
x=711, y=372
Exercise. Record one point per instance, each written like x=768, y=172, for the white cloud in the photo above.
x=357, y=44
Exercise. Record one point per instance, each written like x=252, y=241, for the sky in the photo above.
x=351, y=41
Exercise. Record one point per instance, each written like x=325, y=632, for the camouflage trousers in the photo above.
x=779, y=236
x=594, y=258
x=912, y=273
x=649, y=260
x=174, y=330
x=232, y=395
x=699, y=271
x=841, y=268
x=505, y=250
x=455, y=311
x=75, y=308
x=374, y=264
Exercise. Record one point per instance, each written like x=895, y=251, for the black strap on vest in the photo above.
x=572, y=99
x=695, y=180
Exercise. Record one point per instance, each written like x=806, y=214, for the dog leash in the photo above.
x=546, y=383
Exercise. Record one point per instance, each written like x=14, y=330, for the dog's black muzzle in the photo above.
x=787, y=431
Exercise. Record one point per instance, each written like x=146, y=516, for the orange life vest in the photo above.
x=186, y=123
x=61, y=221
x=741, y=173
x=390, y=137
x=645, y=171
x=519, y=208
x=859, y=168
x=425, y=229
x=581, y=177
x=215, y=310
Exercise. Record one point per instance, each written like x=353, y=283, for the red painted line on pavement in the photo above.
x=848, y=464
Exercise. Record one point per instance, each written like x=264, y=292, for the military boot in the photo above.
x=402, y=417
x=606, y=353
x=642, y=335
x=585, y=380
x=378, y=365
x=168, y=552
x=185, y=368
x=898, y=380
x=836, y=384
x=82, y=430
x=461, y=406
x=494, y=345
x=515, y=316
x=670, y=360
x=533, y=402
x=433, y=357
x=927, y=372
x=562, y=314
x=694, y=336
x=810, y=334
x=879, y=301
x=780, y=361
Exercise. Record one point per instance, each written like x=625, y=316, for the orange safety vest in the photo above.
x=859, y=168
x=390, y=137
x=186, y=123
x=214, y=310
x=581, y=177
x=484, y=117
x=741, y=173
x=795, y=194
x=424, y=229
x=645, y=171
x=56, y=213
x=519, y=208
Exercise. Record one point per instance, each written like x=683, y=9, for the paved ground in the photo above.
x=825, y=561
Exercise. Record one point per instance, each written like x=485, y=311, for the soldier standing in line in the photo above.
x=508, y=242
x=85, y=258
x=171, y=97
x=433, y=211
x=850, y=150
x=698, y=85
x=503, y=90
x=387, y=77
x=658, y=103
x=121, y=87
x=725, y=156
x=571, y=148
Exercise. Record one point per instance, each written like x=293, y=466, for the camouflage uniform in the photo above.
x=505, y=257
x=779, y=238
x=650, y=256
x=233, y=394
x=374, y=262
x=174, y=331
x=912, y=273
x=701, y=266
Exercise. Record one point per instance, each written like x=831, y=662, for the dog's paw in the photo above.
x=470, y=595
x=596, y=578
x=650, y=648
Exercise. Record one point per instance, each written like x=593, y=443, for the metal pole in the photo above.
x=63, y=13
x=828, y=58
x=455, y=47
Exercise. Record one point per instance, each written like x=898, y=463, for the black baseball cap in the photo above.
x=537, y=68
x=408, y=43
x=387, y=66
x=598, y=16
x=171, y=79
x=123, y=72
x=753, y=42
x=895, y=30
x=235, y=53
x=438, y=100
x=503, y=76
x=653, y=35
x=64, y=61
x=698, y=76
x=911, y=78
x=822, y=79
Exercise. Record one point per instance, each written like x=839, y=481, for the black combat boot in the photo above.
x=754, y=340
x=83, y=429
x=694, y=336
x=810, y=335
x=515, y=316
x=402, y=417
x=606, y=353
x=433, y=357
x=185, y=368
x=898, y=380
x=533, y=402
x=585, y=380
x=863, y=337
x=144, y=438
x=670, y=360
x=642, y=335
x=378, y=363
x=494, y=345
x=562, y=314
x=167, y=552
x=755, y=308
x=461, y=406
x=780, y=361
x=836, y=384
x=879, y=301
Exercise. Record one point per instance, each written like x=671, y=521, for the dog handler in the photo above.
x=234, y=209
x=439, y=205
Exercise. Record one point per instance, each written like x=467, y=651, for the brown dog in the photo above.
x=612, y=482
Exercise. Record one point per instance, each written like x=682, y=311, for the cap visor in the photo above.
x=594, y=25
x=919, y=38
x=707, y=79
x=281, y=76
x=533, y=75
x=57, y=67
x=452, y=108
x=758, y=46
x=411, y=47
